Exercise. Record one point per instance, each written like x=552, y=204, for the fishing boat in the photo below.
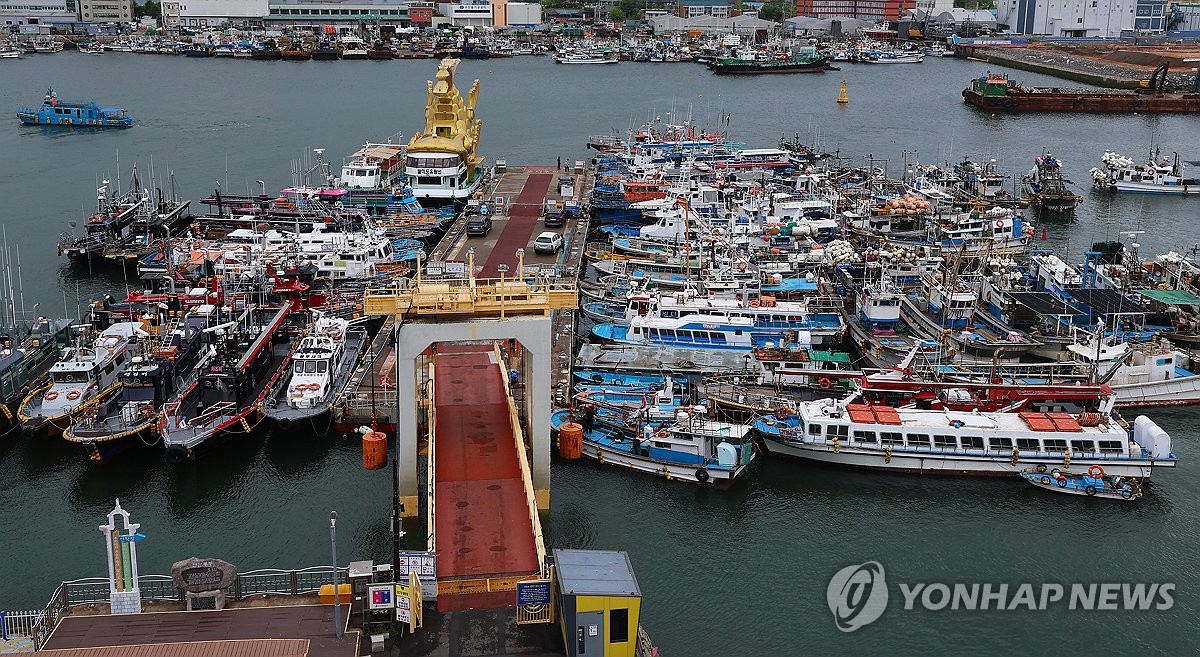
x=90, y=48
x=109, y=426
x=71, y=113
x=1157, y=176
x=892, y=57
x=251, y=353
x=353, y=48
x=669, y=441
x=27, y=351
x=325, y=52
x=942, y=441
x=91, y=370
x=320, y=367
x=589, y=57
x=9, y=53
x=753, y=62
x=1093, y=484
x=1046, y=187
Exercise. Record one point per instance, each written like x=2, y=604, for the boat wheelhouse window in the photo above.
x=737, y=332
x=996, y=443
x=139, y=393
x=814, y=429
x=1111, y=447
x=322, y=367
x=1054, y=445
x=864, y=437
x=918, y=440
x=972, y=442
x=1083, y=446
x=683, y=335
x=945, y=442
x=661, y=445
x=1028, y=444
x=718, y=338
x=428, y=181
x=839, y=430
x=888, y=438
x=108, y=369
x=72, y=376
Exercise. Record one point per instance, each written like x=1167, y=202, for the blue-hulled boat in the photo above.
x=687, y=447
x=1092, y=484
x=620, y=379
x=59, y=112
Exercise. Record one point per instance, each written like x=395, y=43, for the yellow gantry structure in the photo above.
x=471, y=296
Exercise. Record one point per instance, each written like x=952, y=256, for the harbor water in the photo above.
x=736, y=573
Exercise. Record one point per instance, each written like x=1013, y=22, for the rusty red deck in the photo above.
x=482, y=519
x=522, y=218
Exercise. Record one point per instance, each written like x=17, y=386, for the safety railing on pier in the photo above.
x=523, y=457
x=471, y=296
x=270, y=581
x=431, y=462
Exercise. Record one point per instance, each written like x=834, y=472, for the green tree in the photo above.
x=149, y=8
x=617, y=15
x=772, y=11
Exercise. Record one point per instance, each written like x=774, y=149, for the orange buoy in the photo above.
x=374, y=445
x=570, y=440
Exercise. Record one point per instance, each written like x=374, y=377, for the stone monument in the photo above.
x=203, y=579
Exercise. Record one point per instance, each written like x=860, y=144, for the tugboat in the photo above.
x=1092, y=484
x=85, y=373
x=268, y=51
x=27, y=351
x=325, y=52
x=69, y=113
x=1046, y=187
x=320, y=367
x=251, y=353
x=124, y=224
x=110, y=426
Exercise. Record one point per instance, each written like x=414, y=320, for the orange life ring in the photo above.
x=661, y=433
x=51, y=395
x=1095, y=472
x=73, y=395
x=754, y=303
x=314, y=386
x=825, y=382
x=781, y=412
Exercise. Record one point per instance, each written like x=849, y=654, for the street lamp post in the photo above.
x=337, y=598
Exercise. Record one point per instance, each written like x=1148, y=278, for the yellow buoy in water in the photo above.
x=842, y=96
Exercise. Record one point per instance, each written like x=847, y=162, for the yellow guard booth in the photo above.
x=598, y=602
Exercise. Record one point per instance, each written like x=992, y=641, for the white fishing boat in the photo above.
x=321, y=364
x=585, y=58
x=84, y=373
x=1157, y=176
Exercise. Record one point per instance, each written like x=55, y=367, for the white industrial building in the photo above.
x=478, y=14
x=106, y=11
x=32, y=12
x=1082, y=18
x=213, y=13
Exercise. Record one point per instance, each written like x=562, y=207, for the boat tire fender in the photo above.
x=1062, y=483
x=176, y=454
x=1046, y=479
x=1090, y=490
x=284, y=423
x=1126, y=493
x=702, y=475
x=1041, y=467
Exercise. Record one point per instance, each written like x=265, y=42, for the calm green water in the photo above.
x=738, y=573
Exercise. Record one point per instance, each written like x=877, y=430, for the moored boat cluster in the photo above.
x=778, y=300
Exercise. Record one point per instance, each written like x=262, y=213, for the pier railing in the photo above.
x=471, y=296
x=269, y=581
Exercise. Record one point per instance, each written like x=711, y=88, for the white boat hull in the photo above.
x=1150, y=188
x=717, y=477
x=998, y=465
x=1183, y=391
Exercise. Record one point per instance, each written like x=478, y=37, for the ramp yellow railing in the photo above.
x=526, y=473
